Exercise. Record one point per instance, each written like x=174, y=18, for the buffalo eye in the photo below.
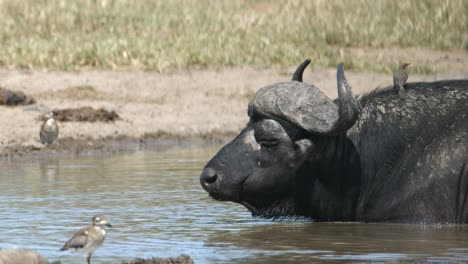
x=268, y=133
x=268, y=143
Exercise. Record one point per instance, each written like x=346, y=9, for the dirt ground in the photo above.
x=201, y=104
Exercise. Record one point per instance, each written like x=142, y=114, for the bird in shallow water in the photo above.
x=89, y=239
x=399, y=79
x=49, y=130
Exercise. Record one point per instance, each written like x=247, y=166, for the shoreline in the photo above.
x=201, y=106
x=71, y=147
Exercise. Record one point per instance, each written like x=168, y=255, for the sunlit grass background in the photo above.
x=182, y=34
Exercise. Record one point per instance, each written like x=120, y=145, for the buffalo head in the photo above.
x=289, y=126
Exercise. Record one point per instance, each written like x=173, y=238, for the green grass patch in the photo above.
x=180, y=34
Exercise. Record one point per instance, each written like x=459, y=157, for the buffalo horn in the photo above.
x=297, y=76
x=348, y=110
x=306, y=106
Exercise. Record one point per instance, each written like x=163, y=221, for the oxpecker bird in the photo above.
x=89, y=239
x=399, y=79
x=49, y=130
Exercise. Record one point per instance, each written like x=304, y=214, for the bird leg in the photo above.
x=89, y=258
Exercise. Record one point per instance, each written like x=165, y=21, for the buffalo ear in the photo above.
x=302, y=149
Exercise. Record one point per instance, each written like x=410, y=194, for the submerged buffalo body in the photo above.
x=378, y=157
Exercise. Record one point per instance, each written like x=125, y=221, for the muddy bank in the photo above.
x=202, y=105
x=72, y=147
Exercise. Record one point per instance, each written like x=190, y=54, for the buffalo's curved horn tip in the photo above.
x=348, y=108
x=344, y=91
x=297, y=76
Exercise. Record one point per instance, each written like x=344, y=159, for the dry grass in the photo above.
x=181, y=34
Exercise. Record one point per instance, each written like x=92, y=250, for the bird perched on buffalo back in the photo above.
x=399, y=79
x=49, y=130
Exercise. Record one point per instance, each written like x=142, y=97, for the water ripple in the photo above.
x=157, y=208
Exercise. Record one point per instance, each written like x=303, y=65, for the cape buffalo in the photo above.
x=373, y=158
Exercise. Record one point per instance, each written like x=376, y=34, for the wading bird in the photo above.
x=89, y=239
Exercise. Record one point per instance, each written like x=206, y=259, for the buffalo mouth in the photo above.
x=232, y=196
x=223, y=198
x=247, y=205
x=250, y=207
x=266, y=209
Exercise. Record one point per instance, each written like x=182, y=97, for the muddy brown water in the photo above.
x=157, y=208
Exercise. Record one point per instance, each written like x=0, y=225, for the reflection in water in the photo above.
x=316, y=242
x=158, y=208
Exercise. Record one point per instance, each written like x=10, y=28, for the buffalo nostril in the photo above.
x=209, y=175
x=211, y=179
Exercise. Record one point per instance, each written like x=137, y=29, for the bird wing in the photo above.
x=41, y=133
x=56, y=130
x=399, y=77
x=404, y=78
x=79, y=240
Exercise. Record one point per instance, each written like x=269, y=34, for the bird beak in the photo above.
x=105, y=223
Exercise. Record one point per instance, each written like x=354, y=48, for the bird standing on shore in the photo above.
x=89, y=239
x=399, y=79
x=49, y=130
